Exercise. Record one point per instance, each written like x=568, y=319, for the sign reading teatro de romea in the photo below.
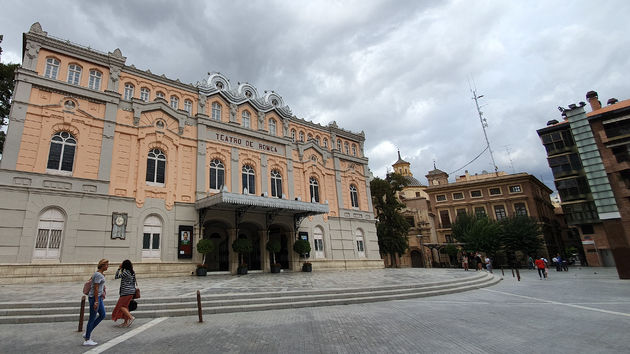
x=246, y=142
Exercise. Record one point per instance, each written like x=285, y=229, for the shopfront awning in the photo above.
x=226, y=200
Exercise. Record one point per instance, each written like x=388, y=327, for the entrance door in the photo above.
x=416, y=259
x=151, y=237
x=253, y=259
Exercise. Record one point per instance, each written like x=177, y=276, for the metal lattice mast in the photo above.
x=484, y=125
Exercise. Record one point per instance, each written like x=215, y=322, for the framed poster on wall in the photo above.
x=185, y=241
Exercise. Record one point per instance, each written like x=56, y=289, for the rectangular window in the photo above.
x=499, y=212
x=440, y=198
x=449, y=238
x=95, y=80
x=587, y=229
x=520, y=209
x=146, y=241
x=461, y=211
x=458, y=195
x=495, y=191
x=410, y=221
x=319, y=245
x=445, y=219
x=480, y=211
x=360, y=247
x=515, y=189
x=475, y=194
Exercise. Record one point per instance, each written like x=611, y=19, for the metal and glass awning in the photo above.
x=226, y=200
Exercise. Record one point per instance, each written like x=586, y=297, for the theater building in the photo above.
x=103, y=160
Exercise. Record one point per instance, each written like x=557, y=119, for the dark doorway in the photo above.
x=279, y=233
x=252, y=259
x=416, y=259
x=219, y=259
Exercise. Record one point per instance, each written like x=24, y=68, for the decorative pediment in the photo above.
x=140, y=108
x=312, y=147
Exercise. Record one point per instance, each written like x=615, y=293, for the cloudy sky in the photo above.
x=399, y=70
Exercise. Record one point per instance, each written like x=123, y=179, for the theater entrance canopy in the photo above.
x=272, y=207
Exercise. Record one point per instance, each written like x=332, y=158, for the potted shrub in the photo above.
x=242, y=246
x=274, y=246
x=204, y=246
x=302, y=247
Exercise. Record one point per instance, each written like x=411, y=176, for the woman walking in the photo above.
x=96, y=297
x=127, y=291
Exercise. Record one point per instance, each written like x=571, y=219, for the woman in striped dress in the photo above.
x=127, y=291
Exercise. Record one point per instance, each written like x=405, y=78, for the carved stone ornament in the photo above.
x=114, y=73
x=233, y=108
x=261, y=120
x=119, y=225
x=32, y=49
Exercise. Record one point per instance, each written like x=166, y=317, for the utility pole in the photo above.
x=484, y=125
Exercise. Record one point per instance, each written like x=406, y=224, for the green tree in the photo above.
x=391, y=226
x=520, y=233
x=7, y=75
x=478, y=233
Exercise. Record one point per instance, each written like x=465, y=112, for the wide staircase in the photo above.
x=58, y=311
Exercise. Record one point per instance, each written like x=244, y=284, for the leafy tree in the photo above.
x=7, y=74
x=520, y=233
x=205, y=246
x=391, y=226
x=478, y=233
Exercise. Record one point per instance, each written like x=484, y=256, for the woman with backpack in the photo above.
x=96, y=297
x=127, y=291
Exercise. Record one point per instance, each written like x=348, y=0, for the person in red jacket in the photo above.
x=540, y=265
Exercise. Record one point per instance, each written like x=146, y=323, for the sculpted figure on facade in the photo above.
x=32, y=50
x=233, y=108
x=261, y=120
x=285, y=127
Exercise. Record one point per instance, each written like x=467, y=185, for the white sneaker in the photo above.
x=89, y=342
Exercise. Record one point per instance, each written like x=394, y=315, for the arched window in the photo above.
x=156, y=167
x=159, y=94
x=61, y=154
x=151, y=237
x=354, y=150
x=188, y=106
x=217, y=174
x=325, y=143
x=354, y=196
x=346, y=147
x=174, y=102
x=246, y=119
x=49, y=232
x=144, y=94
x=358, y=235
x=293, y=135
x=216, y=111
x=318, y=241
x=314, y=187
x=95, y=80
x=276, y=184
x=249, y=180
x=272, y=126
x=52, y=68
x=318, y=140
x=309, y=137
x=339, y=145
x=74, y=74
x=301, y=136
x=128, y=91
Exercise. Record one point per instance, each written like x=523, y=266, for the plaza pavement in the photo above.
x=585, y=310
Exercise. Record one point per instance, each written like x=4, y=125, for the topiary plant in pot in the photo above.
x=204, y=246
x=242, y=246
x=302, y=247
x=274, y=246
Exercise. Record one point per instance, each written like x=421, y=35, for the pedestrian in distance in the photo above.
x=530, y=262
x=479, y=261
x=558, y=261
x=488, y=264
x=465, y=261
x=95, y=298
x=127, y=291
x=540, y=265
x=565, y=265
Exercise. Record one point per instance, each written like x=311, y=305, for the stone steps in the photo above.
x=59, y=311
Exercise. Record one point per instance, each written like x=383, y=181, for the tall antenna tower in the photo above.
x=484, y=125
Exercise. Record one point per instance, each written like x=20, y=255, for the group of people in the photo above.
x=542, y=265
x=478, y=262
x=96, y=296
